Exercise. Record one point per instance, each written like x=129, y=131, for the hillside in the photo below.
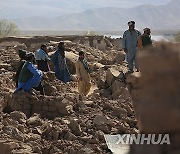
x=109, y=18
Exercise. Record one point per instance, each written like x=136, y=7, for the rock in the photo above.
x=121, y=128
x=55, y=134
x=7, y=121
x=20, y=46
x=5, y=66
x=75, y=127
x=14, y=132
x=120, y=56
x=34, y=120
x=8, y=146
x=116, y=95
x=48, y=128
x=101, y=83
x=71, y=59
x=125, y=94
x=33, y=137
x=89, y=103
x=86, y=150
x=99, y=120
x=100, y=135
x=107, y=106
x=111, y=76
x=49, y=89
x=117, y=86
x=97, y=66
x=21, y=128
x=119, y=112
x=64, y=107
x=19, y=116
x=104, y=128
x=70, y=97
x=70, y=137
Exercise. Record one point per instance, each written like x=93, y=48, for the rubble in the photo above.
x=61, y=122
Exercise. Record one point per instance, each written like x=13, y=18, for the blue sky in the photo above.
x=29, y=8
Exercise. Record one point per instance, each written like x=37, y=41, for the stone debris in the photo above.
x=61, y=122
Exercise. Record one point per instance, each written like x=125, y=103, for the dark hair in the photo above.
x=22, y=53
x=43, y=46
x=61, y=43
x=81, y=53
x=29, y=56
x=133, y=22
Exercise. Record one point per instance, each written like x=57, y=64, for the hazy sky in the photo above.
x=29, y=8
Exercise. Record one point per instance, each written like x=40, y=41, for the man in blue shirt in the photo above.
x=42, y=58
x=129, y=44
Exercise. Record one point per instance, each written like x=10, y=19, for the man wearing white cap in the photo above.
x=129, y=44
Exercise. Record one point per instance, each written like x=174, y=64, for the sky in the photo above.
x=10, y=9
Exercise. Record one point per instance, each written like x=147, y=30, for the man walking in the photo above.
x=129, y=44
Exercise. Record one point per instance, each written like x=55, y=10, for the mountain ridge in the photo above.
x=109, y=18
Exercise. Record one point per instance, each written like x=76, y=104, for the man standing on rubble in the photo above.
x=42, y=58
x=59, y=60
x=30, y=77
x=83, y=74
x=145, y=39
x=129, y=44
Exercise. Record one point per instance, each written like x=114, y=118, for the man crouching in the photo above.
x=30, y=77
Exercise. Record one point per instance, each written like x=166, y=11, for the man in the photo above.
x=60, y=66
x=82, y=71
x=129, y=44
x=145, y=39
x=22, y=56
x=42, y=58
x=30, y=77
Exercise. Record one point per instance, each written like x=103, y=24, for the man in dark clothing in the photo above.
x=59, y=60
x=22, y=56
x=145, y=39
